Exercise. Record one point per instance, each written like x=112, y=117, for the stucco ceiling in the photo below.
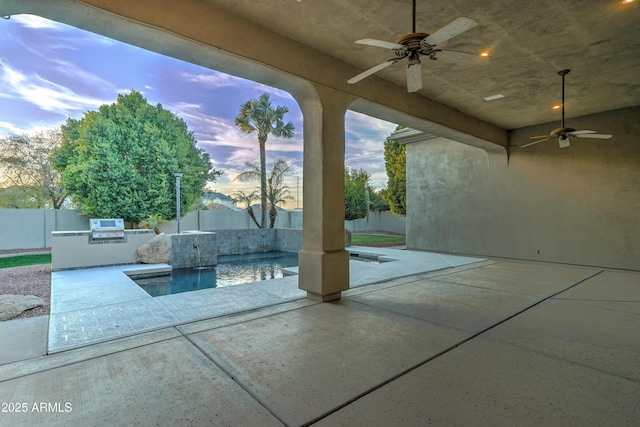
x=529, y=42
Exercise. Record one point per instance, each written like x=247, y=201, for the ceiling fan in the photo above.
x=414, y=45
x=563, y=133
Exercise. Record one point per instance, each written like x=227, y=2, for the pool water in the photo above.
x=230, y=270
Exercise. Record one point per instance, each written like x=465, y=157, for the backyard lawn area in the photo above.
x=366, y=239
x=22, y=260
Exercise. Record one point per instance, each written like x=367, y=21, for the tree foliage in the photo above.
x=247, y=200
x=355, y=193
x=26, y=171
x=259, y=115
x=377, y=203
x=277, y=191
x=395, y=160
x=120, y=161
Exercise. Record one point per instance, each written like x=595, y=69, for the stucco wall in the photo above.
x=574, y=205
x=378, y=221
x=70, y=250
x=31, y=228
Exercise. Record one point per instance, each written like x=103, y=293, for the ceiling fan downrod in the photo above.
x=563, y=73
x=414, y=16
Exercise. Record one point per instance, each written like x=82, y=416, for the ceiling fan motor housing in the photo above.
x=561, y=131
x=412, y=40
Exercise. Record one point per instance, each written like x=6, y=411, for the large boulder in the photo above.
x=155, y=251
x=13, y=305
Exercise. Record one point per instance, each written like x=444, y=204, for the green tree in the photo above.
x=376, y=201
x=247, y=200
x=119, y=161
x=27, y=172
x=355, y=193
x=259, y=115
x=277, y=191
x=395, y=161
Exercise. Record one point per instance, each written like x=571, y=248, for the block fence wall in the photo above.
x=32, y=228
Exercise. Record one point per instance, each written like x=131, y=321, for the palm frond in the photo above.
x=251, y=174
x=247, y=199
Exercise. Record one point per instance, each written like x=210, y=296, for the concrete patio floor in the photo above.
x=497, y=342
x=99, y=304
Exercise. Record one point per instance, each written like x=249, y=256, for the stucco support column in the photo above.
x=323, y=261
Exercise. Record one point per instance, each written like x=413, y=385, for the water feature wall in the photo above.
x=70, y=250
x=236, y=242
x=193, y=249
x=288, y=239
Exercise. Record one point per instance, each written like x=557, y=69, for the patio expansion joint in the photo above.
x=233, y=378
x=585, y=302
x=454, y=346
x=68, y=351
x=239, y=314
x=414, y=277
x=571, y=362
x=116, y=303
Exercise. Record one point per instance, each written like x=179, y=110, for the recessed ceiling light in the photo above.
x=484, y=54
x=494, y=97
x=557, y=107
x=627, y=1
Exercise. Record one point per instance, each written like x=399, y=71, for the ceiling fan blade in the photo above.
x=460, y=57
x=591, y=135
x=380, y=43
x=535, y=142
x=450, y=30
x=578, y=132
x=540, y=136
x=372, y=70
x=414, y=77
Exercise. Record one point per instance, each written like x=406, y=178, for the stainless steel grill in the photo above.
x=111, y=229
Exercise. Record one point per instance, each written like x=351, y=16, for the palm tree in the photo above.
x=247, y=199
x=259, y=115
x=277, y=191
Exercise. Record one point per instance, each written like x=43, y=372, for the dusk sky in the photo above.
x=50, y=71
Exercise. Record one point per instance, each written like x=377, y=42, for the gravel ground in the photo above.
x=29, y=280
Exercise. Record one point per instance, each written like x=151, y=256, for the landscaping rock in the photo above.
x=155, y=251
x=13, y=305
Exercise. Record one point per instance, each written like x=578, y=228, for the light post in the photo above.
x=178, y=175
x=297, y=192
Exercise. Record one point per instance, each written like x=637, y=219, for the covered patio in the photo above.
x=545, y=332
x=499, y=342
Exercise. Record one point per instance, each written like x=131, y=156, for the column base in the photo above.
x=324, y=275
x=324, y=298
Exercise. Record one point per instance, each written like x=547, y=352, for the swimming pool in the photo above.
x=230, y=270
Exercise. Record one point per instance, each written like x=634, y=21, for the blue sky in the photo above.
x=50, y=71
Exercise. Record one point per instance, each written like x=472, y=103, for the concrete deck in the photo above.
x=489, y=343
x=99, y=304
